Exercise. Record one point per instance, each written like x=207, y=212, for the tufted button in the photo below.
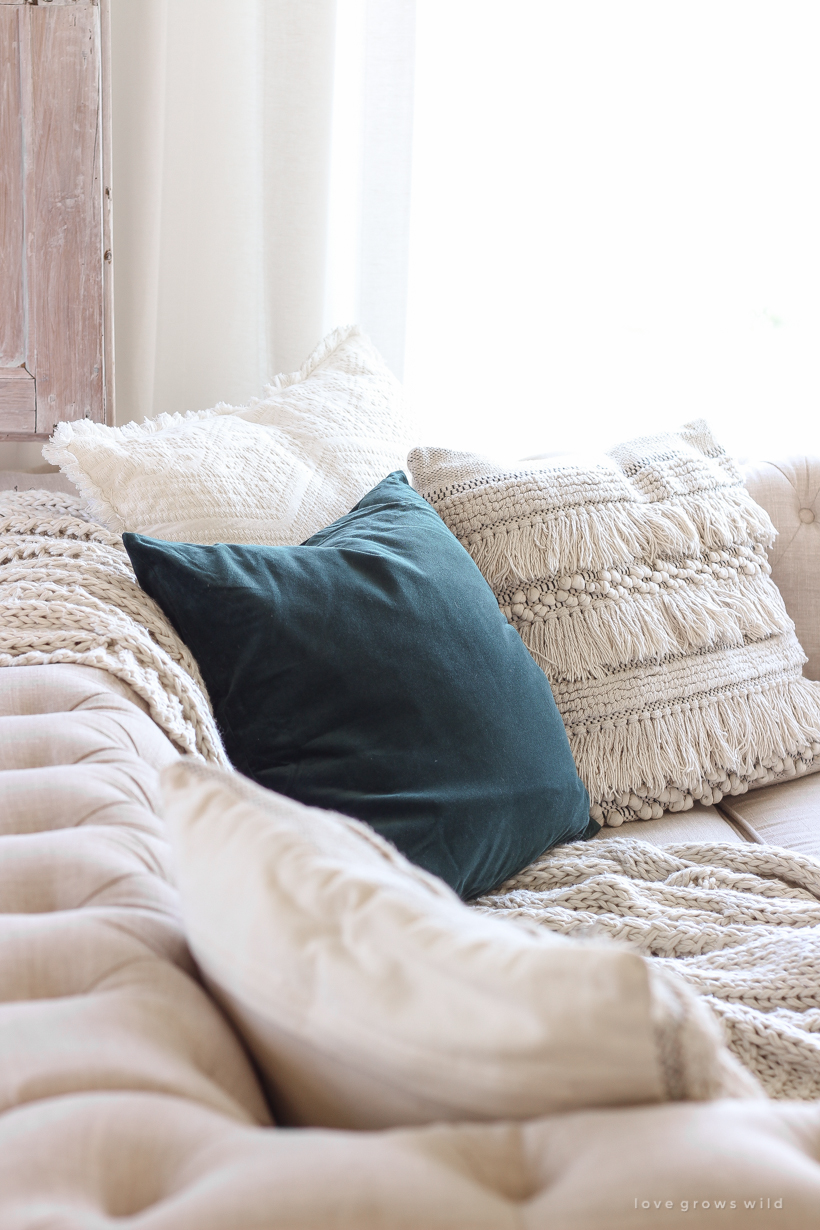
x=806, y=516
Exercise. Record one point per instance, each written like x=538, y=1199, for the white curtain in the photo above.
x=261, y=189
x=220, y=189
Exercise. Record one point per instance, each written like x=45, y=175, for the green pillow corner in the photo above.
x=369, y=671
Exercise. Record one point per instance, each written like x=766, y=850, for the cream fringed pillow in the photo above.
x=640, y=585
x=273, y=472
x=371, y=997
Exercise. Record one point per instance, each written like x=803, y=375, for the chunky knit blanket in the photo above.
x=68, y=594
x=740, y=923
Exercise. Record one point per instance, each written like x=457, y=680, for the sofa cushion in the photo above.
x=162, y=1163
x=787, y=815
x=370, y=671
x=703, y=824
x=789, y=490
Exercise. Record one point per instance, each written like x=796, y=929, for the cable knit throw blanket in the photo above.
x=68, y=594
x=741, y=923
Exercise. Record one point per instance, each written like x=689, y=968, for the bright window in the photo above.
x=615, y=222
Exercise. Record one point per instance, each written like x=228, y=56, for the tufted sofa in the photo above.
x=126, y=1099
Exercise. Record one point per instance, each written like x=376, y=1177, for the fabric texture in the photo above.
x=642, y=588
x=369, y=671
x=370, y=996
x=739, y=922
x=68, y=594
x=271, y=472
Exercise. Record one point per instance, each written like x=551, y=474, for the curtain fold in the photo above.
x=222, y=118
x=386, y=175
x=138, y=66
x=224, y=197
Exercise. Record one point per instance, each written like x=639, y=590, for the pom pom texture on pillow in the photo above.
x=641, y=586
x=271, y=473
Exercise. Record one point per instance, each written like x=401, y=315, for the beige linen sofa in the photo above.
x=126, y=1099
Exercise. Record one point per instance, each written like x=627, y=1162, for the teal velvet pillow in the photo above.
x=369, y=671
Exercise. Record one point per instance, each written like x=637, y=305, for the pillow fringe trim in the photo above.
x=591, y=538
x=699, y=751
x=578, y=644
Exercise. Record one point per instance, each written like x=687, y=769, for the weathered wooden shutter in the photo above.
x=56, y=327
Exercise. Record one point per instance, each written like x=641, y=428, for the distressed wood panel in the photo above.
x=56, y=301
x=12, y=289
x=107, y=209
x=64, y=213
x=17, y=400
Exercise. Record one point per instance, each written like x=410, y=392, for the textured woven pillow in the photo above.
x=272, y=472
x=370, y=996
x=640, y=584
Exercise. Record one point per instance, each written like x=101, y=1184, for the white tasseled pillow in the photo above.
x=273, y=472
x=639, y=582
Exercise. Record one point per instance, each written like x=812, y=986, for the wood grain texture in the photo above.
x=107, y=210
x=17, y=400
x=64, y=213
x=29, y=254
x=12, y=286
x=56, y=301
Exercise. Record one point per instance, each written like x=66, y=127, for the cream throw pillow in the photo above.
x=273, y=472
x=370, y=996
x=640, y=585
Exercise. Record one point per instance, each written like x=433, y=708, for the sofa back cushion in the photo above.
x=789, y=490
